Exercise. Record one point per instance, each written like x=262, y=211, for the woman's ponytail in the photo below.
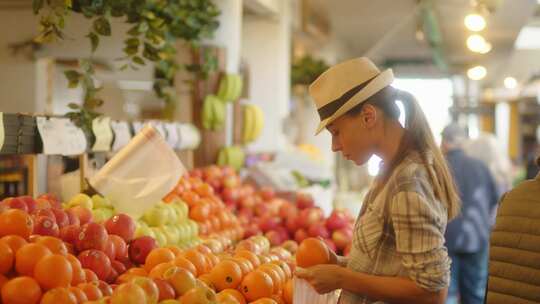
x=420, y=137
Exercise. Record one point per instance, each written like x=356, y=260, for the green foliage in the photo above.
x=156, y=25
x=306, y=70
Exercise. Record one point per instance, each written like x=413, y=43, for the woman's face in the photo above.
x=355, y=136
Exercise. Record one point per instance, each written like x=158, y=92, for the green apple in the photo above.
x=81, y=199
x=160, y=237
x=182, y=231
x=173, y=216
x=143, y=230
x=185, y=209
x=100, y=215
x=172, y=234
x=101, y=202
x=194, y=228
x=178, y=212
x=156, y=216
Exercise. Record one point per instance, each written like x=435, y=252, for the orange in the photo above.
x=288, y=292
x=247, y=265
x=91, y=290
x=312, y=252
x=252, y=257
x=212, y=259
x=137, y=271
x=3, y=280
x=6, y=258
x=53, y=271
x=256, y=285
x=235, y=294
x=197, y=259
x=285, y=267
x=158, y=270
x=28, y=256
x=124, y=278
x=14, y=241
x=158, y=256
x=175, y=250
x=180, y=279
x=186, y=264
x=21, y=290
x=79, y=276
x=280, y=272
x=90, y=276
x=276, y=278
x=226, y=274
x=265, y=301
x=279, y=299
x=59, y=296
x=79, y=294
x=263, y=259
x=207, y=280
x=55, y=245
x=199, y=294
x=16, y=222
x=203, y=249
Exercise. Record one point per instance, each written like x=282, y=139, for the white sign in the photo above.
x=172, y=135
x=137, y=126
x=122, y=135
x=60, y=136
x=101, y=127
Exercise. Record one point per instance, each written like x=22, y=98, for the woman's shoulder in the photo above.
x=411, y=174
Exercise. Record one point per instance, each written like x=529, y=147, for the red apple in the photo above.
x=166, y=291
x=61, y=217
x=46, y=226
x=230, y=195
x=318, y=230
x=84, y=214
x=70, y=233
x=269, y=223
x=262, y=210
x=342, y=238
x=287, y=210
x=45, y=212
x=140, y=247
x=31, y=204
x=120, y=246
x=247, y=190
x=15, y=203
x=267, y=193
x=113, y=275
x=309, y=217
x=300, y=235
x=92, y=236
x=274, y=237
x=197, y=173
x=247, y=202
x=110, y=249
x=54, y=202
x=292, y=224
x=105, y=288
x=97, y=261
x=330, y=244
x=231, y=182
x=228, y=171
x=304, y=201
x=73, y=218
x=122, y=225
x=119, y=267
x=336, y=220
x=283, y=233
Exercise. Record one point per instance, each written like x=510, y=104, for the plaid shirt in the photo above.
x=401, y=232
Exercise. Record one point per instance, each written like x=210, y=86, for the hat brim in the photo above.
x=378, y=83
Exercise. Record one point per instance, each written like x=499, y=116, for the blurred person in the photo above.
x=514, y=268
x=487, y=149
x=467, y=236
x=532, y=169
x=398, y=253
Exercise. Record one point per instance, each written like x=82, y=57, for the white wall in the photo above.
x=266, y=49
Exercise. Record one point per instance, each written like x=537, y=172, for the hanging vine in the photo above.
x=156, y=25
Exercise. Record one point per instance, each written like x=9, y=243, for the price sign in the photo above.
x=61, y=137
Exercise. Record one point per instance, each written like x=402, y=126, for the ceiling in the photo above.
x=385, y=30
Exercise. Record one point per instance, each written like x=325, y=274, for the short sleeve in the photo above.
x=419, y=227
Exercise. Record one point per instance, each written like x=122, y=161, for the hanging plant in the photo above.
x=305, y=70
x=156, y=25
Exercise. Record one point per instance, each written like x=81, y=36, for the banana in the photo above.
x=248, y=124
x=222, y=157
x=218, y=109
x=207, y=113
x=223, y=87
x=259, y=122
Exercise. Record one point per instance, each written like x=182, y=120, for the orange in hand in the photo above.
x=312, y=252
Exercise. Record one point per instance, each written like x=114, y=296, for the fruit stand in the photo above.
x=214, y=238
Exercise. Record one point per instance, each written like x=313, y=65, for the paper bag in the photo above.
x=140, y=174
x=305, y=294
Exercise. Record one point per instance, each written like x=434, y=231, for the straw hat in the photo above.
x=346, y=85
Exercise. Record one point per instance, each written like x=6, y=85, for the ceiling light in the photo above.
x=478, y=44
x=477, y=73
x=528, y=38
x=475, y=22
x=510, y=83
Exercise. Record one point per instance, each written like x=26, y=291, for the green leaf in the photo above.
x=74, y=106
x=131, y=50
x=37, y=5
x=73, y=77
x=102, y=26
x=94, y=41
x=132, y=42
x=134, y=31
x=143, y=27
x=124, y=67
x=138, y=60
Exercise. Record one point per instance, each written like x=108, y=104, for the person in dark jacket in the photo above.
x=467, y=236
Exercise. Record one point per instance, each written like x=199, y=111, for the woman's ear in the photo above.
x=369, y=116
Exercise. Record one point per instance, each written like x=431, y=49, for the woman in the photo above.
x=398, y=253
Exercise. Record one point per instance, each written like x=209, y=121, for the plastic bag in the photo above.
x=305, y=294
x=140, y=174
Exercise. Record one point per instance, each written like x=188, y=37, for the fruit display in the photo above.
x=213, y=113
x=233, y=156
x=230, y=87
x=206, y=207
x=261, y=212
x=253, y=123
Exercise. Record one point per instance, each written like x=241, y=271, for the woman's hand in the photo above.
x=324, y=278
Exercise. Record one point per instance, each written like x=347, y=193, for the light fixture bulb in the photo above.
x=477, y=73
x=510, y=83
x=475, y=22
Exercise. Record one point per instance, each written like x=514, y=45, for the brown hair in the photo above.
x=418, y=137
